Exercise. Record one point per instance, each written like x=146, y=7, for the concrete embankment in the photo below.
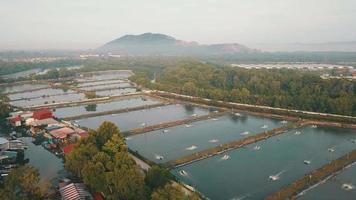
x=115, y=111
x=314, y=177
x=233, y=145
x=173, y=123
x=262, y=109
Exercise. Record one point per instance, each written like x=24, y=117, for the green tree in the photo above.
x=24, y=183
x=157, y=177
x=168, y=192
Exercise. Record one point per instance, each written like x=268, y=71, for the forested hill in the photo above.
x=278, y=88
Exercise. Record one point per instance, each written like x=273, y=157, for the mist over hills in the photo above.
x=160, y=44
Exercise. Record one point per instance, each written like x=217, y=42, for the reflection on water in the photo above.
x=91, y=108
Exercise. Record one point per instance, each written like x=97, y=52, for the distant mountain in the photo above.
x=160, y=44
x=349, y=46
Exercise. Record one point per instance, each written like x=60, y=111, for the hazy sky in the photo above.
x=80, y=24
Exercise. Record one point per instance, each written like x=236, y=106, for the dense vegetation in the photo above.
x=102, y=161
x=24, y=183
x=278, y=88
x=14, y=67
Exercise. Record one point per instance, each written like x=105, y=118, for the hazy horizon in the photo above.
x=49, y=24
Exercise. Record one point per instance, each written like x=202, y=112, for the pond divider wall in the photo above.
x=314, y=177
x=173, y=123
x=233, y=145
x=115, y=111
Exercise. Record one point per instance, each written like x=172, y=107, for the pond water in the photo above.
x=146, y=117
x=99, y=76
x=106, y=86
x=334, y=188
x=86, y=84
x=49, y=100
x=183, y=140
x=48, y=165
x=246, y=173
x=102, y=107
x=116, y=92
x=39, y=93
x=20, y=88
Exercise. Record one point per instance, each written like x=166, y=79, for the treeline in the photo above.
x=102, y=161
x=14, y=67
x=283, y=88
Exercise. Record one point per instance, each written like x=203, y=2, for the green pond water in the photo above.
x=94, y=83
x=334, y=188
x=72, y=97
x=21, y=88
x=183, y=140
x=49, y=166
x=116, y=92
x=146, y=117
x=106, y=86
x=39, y=93
x=246, y=173
x=102, y=107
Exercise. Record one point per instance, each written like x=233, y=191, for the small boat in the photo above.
x=128, y=138
x=214, y=119
x=245, y=133
x=143, y=124
x=256, y=148
x=188, y=125
x=347, y=186
x=331, y=149
x=215, y=111
x=225, y=157
x=307, y=162
x=273, y=178
x=165, y=131
x=194, y=115
x=159, y=157
x=284, y=122
x=264, y=126
x=191, y=148
x=297, y=133
x=183, y=173
x=314, y=126
x=213, y=141
x=237, y=114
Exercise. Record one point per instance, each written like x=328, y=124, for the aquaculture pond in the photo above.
x=49, y=100
x=116, y=92
x=102, y=107
x=48, y=165
x=146, y=117
x=106, y=76
x=106, y=86
x=172, y=143
x=340, y=187
x=38, y=93
x=253, y=173
x=86, y=84
x=21, y=88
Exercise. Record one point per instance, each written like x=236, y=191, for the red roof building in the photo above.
x=67, y=149
x=61, y=133
x=15, y=121
x=42, y=114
